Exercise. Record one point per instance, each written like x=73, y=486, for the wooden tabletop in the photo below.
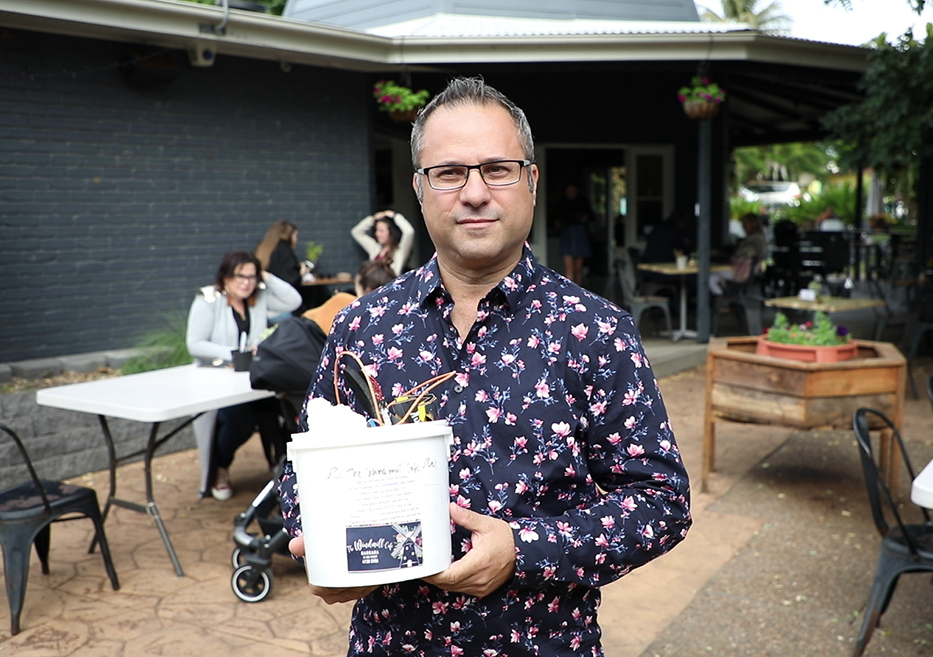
x=826, y=304
x=671, y=268
x=330, y=281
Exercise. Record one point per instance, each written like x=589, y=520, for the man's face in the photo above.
x=476, y=228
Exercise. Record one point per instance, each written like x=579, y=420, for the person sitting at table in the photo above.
x=276, y=254
x=372, y=275
x=748, y=256
x=391, y=240
x=225, y=316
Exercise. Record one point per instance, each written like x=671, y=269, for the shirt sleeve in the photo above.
x=403, y=253
x=360, y=232
x=200, y=326
x=641, y=509
x=282, y=297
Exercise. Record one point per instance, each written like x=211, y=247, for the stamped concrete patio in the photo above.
x=779, y=561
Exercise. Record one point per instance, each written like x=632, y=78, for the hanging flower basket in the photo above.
x=701, y=109
x=405, y=116
x=701, y=100
x=400, y=102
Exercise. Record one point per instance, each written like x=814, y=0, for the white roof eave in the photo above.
x=173, y=24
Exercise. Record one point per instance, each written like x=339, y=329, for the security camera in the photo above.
x=201, y=55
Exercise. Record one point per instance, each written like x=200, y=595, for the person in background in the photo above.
x=668, y=237
x=391, y=240
x=751, y=251
x=276, y=253
x=573, y=217
x=372, y=275
x=564, y=473
x=231, y=313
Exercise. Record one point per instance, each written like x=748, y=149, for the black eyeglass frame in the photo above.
x=469, y=167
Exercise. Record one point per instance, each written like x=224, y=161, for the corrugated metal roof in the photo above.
x=461, y=25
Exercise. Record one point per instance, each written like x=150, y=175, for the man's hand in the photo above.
x=488, y=565
x=329, y=595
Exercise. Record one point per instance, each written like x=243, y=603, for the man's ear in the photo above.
x=416, y=185
x=533, y=182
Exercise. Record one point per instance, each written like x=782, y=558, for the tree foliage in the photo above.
x=893, y=126
x=781, y=162
x=759, y=14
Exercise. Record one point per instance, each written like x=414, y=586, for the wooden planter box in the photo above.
x=747, y=387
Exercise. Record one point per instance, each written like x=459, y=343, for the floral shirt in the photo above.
x=559, y=429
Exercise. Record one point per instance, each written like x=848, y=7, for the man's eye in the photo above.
x=448, y=174
x=495, y=170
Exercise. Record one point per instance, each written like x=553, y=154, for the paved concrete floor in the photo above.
x=693, y=601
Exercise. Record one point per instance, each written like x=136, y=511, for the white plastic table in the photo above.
x=153, y=397
x=921, y=490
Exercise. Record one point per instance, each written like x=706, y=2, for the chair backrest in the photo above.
x=880, y=495
x=28, y=463
x=625, y=271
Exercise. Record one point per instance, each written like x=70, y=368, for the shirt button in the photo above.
x=458, y=388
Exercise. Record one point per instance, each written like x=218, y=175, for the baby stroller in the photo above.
x=285, y=363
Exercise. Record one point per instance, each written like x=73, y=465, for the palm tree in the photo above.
x=767, y=18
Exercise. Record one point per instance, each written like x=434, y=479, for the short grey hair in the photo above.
x=461, y=92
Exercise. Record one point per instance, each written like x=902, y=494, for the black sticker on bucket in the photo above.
x=384, y=547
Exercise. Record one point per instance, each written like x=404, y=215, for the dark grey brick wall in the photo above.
x=118, y=201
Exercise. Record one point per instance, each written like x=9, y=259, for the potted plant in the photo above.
x=819, y=341
x=701, y=100
x=400, y=102
x=312, y=253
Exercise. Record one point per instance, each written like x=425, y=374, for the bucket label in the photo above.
x=384, y=547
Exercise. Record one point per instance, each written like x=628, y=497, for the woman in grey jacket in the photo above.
x=224, y=316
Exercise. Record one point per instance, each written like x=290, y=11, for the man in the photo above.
x=565, y=474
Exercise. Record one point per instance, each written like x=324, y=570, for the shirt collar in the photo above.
x=513, y=286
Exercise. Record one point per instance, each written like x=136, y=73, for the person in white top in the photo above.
x=391, y=240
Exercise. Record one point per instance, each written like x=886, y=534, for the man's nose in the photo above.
x=475, y=191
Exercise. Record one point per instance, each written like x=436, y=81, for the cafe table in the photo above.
x=921, y=490
x=671, y=269
x=152, y=397
x=824, y=303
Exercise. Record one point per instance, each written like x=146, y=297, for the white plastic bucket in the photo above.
x=374, y=503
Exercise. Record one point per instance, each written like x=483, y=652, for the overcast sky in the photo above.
x=866, y=20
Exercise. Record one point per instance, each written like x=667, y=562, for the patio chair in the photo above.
x=637, y=303
x=930, y=388
x=905, y=548
x=26, y=514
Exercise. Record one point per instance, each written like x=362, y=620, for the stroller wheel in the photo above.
x=237, y=558
x=251, y=584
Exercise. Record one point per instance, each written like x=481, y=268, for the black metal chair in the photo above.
x=26, y=514
x=905, y=548
x=930, y=388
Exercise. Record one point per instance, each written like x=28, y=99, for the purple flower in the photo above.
x=842, y=331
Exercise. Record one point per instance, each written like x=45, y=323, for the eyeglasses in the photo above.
x=446, y=177
x=243, y=278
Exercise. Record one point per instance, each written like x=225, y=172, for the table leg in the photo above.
x=683, y=331
x=150, y=508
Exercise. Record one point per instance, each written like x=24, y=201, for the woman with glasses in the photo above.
x=391, y=239
x=227, y=316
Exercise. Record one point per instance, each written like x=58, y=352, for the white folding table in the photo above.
x=154, y=397
x=921, y=490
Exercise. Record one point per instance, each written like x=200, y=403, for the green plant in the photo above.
x=161, y=348
x=702, y=91
x=313, y=251
x=821, y=332
x=392, y=97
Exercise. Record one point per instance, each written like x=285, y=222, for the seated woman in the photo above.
x=392, y=238
x=223, y=316
x=276, y=255
x=748, y=256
